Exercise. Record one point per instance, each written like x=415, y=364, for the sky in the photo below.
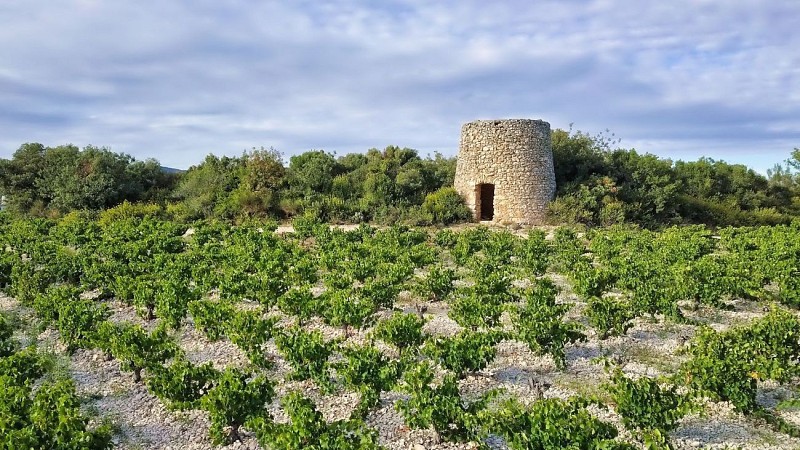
x=176, y=80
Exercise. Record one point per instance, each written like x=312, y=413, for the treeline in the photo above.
x=387, y=186
x=598, y=184
x=392, y=185
x=40, y=180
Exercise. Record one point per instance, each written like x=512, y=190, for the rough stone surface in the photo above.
x=515, y=156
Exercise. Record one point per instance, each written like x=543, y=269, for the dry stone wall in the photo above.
x=505, y=170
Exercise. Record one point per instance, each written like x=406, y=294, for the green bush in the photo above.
x=446, y=206
x=49, y=418
x=182, y=384
x=533, y=253
x=236, y=397
x=729, y=364
x=127, y=210
x=439, y=406
x=609, y=316
x=539, y=323
x=307, y=429
x=551, y=424
x=403, y=331
x=645, y=405
x=589, y=280
x=307, y=352
x=366, y=369
x=307, y=225
x=467, y=352
x=7, y=345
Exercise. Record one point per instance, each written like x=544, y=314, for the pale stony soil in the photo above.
x=649, y=348
x=518, y=231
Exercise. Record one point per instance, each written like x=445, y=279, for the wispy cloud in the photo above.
x=177, y=80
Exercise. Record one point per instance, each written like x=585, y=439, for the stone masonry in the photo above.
x=505, y=170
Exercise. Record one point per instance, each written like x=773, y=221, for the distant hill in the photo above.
x=171, y=170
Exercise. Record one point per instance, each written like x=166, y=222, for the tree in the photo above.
x=647, y=186
x=264, y=169
x=794, y=160
x=20, y=174
x=784, y=183
x=576, y=157
x=312, y=173
x=39, y=179
x=208, y=184
x=259, y=189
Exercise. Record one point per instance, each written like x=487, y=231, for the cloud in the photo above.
x=178, y=80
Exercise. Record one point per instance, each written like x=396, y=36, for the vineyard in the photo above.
x=144, y=333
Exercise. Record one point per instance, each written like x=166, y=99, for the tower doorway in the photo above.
x=484, y=201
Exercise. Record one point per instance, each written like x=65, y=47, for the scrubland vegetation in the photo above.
x=598, y=183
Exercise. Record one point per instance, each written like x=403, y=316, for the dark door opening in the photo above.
x=485, y=201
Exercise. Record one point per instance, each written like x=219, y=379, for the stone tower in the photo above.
x=505, y=170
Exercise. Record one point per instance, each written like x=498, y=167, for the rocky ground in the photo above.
x=649, y=348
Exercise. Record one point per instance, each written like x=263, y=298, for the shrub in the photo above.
x=367, y=370
x=298, y=302
x=645, y=405
x=445, y=238
x=307, y=352
x=24, y=366
x=342, y=308
x=439, y=406
x=403, y=331
x=609, y=316
x=533, y=253
x=211, y=317
x=180, y=212
x=250, y=332
x=539, y=323
x=307, y=429
x=551, y=424
x=7, y=345
x=127, y=210
x=307, y=225
x=446, y=206
x=729, y=364
x=182, y=384
x=78, y=320
x=466, y=352
x=134, y=347
x=236, y=398
x=474, y=311
x=50, y=418
x=590, y=281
